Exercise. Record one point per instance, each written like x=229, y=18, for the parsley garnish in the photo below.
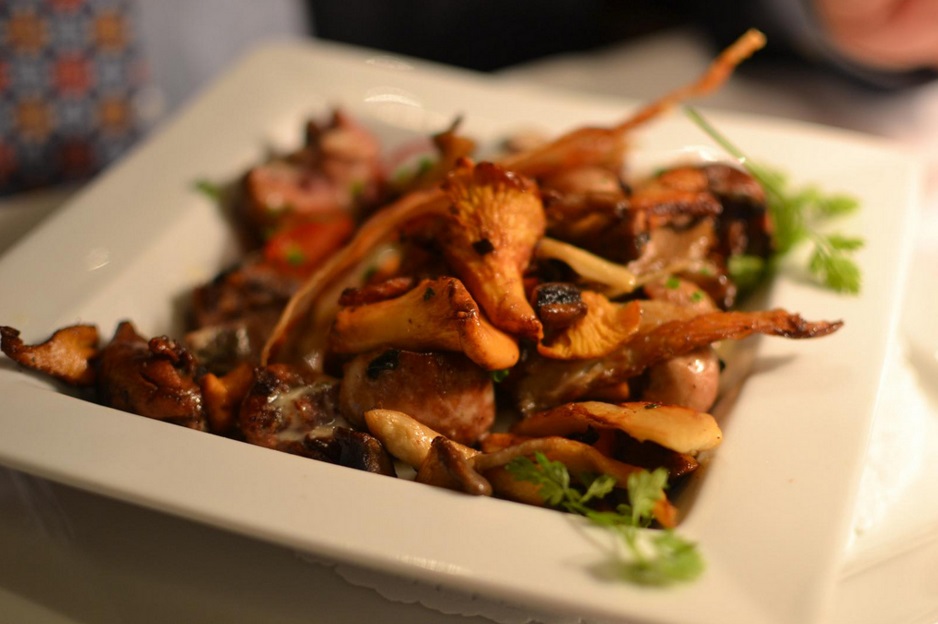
x=745, y=270
x=797, y=215
x=499, y=376
x=294, y=255
x=210, y=189
x=658, y=557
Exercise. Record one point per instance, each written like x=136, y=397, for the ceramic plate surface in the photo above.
x=771, y=511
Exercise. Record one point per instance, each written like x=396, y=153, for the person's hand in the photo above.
x=888, y=34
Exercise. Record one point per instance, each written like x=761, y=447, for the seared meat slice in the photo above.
x=616, y=225
x=154, y=378
x=667, y=247
x=744, y=226
x=247, y=288
x=339, y=170
x=233, y=315
x=289, y=411
x=680, y=292
x=444, y=391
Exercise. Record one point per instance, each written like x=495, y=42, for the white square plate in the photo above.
x=771, y=513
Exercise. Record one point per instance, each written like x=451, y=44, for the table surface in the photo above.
x=74, y=557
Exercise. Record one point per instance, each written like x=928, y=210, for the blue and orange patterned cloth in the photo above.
x=71, y=73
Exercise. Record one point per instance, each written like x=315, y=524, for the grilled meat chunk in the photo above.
x=292, y=411
x=444, y=391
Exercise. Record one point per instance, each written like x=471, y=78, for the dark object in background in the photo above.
x=488, y=34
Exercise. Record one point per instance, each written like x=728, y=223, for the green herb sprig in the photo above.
x=210, y=189
x=656, y=557
x=797, y=216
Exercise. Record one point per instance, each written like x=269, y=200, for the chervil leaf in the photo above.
x=679, y=561
x=844, y=243
x=830, y=264
x=746, y=270
x=209, y=189
x=645, y=490
x=656, y=557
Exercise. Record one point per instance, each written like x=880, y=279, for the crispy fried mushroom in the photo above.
x=153, y=378
x=496, y=220
x=437, y=315
x=404, y=437
x=298, y=336
x=448, y=467
x=604, y=327
x=677, y=428
x=546, y=383
x=66, y=355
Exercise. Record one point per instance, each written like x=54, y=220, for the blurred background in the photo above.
x=81, y=80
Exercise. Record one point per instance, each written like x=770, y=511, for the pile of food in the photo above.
x=381, y=319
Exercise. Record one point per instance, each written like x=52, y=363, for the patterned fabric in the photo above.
x=70, y=73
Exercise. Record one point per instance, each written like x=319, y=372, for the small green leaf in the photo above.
x=656, y=557
x=746, y=270
x=209, y=189
x=845, y=243
x=499, y=376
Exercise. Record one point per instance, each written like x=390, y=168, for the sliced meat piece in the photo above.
x=294, y=412
x=284, y=407
x=233, y=315
x=444, y=391
x=337, y=171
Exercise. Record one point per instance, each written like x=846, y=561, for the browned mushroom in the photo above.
x=604, y=327
x=436, y=315
x=223, y=395
x=448, y=467
x=405, y=437
x=496, y=219
x=66, y=355
x=677, y=428
x=690, y=380
x=154, y=378
x=301, y=332
x=543, y=383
